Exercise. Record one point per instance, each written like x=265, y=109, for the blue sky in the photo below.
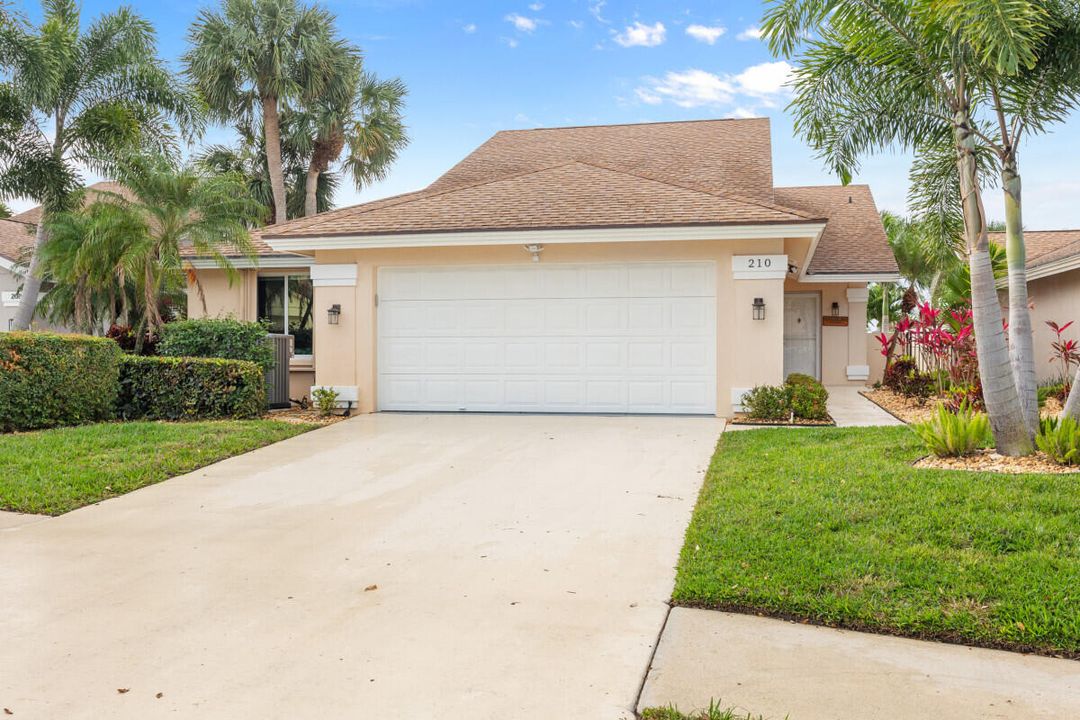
x=474, y=68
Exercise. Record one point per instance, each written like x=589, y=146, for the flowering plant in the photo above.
x=1066, y=352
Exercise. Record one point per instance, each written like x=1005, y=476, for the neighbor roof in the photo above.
x=16, y=239
x=1046, y=247
x=33, y=215
x=854, y=239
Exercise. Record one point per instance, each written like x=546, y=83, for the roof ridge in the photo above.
x=637, y=124
x=726, y=196
x=20, y=222
x=1066, y=246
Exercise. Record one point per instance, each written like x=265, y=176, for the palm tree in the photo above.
x=876, y=75
x=78, y=98
x=259, y=54
x=248, y=158
x=364, y=119
x=182, y=208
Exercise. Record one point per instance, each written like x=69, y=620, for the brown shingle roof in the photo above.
x=16, y=239
x=33, y=215
x=719, y=156
x=854, y=239
x=1045, y=246
x=571, y=195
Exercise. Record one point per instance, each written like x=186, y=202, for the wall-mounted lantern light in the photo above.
x=759, y=308
x=534, y=249
x=836, y=309
x=333, y=315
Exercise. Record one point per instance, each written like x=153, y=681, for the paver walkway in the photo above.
x=850, y=409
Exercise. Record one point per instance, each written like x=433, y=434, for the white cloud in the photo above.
x=765, y=79
x=536, y=6
x=509, y=42
x=576, y=24
x=741, y=113
x=469, y=28
x=522, y=23
x=751, y=33
x=697, y=88
x=642, y=35
x=596, y=9
x=704, y=33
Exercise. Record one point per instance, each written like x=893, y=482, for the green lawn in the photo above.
x=835, y=527
x=54, y=471
x=715, y=712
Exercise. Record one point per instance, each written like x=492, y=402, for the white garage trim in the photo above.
x=603, y=337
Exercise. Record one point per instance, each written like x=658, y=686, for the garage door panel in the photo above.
x=581, y=338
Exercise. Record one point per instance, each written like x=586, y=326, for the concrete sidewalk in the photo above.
x=781, y=669
x=850, y=409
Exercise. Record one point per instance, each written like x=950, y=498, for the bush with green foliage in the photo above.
x=326, y=400
x=217, y=338
x=767, y=402
x=1060, y=440
x=1054, y=390
x=184, y=388
x=954, y=434
x=809, y=399
x=904, y=378
x=47, y=380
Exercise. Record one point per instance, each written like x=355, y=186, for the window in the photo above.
x=284, y=303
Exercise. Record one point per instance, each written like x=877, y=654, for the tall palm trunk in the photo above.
x=31, y=287
x=1021, y=344
x=1007, y=422
x=311, y=190
x=1072, y=403
x=272, y=135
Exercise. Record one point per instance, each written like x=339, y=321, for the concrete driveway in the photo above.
x=392, y=566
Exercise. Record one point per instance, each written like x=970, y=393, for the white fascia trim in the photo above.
x=1053, y=268
x=259, y=263
x=552, y=237
x=343, y=275
x=8, y=265
x=851, y=278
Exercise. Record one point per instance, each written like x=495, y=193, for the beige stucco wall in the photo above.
x=1055, y=298
x=236, y=297
x=345, y=354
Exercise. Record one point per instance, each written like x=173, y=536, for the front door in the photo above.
x=802, y=323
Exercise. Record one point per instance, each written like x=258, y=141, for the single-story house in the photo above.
x=1053, y=272
x=16, y=239
x=650, y=268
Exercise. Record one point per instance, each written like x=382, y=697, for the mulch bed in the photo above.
x=990, y=461
x=303, y=416
x=906, y=409
x=796, y=422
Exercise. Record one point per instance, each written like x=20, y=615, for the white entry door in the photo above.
x=545, y=337
x=802, y=328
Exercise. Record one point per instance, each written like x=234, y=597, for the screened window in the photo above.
x=284, y=303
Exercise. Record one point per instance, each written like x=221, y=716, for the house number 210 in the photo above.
x=756, y=263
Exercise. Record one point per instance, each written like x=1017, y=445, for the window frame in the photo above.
x=284, y=276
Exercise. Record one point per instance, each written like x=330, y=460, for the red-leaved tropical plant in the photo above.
x=1066, y=352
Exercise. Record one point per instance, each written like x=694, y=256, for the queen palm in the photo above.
x=252, y=56
x=913, y=74
x=74, y=99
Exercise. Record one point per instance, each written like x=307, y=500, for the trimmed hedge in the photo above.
x=171, y=388
x=809, y=398
x=217, y=338
x=47, y=380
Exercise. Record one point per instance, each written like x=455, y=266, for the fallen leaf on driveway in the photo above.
x=8, y=712
x=369, y=588
x=160, y=695
x=123, y=690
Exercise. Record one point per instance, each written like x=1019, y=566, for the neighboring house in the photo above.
x=16, y=238
x=646, y=268
x=1053, y=272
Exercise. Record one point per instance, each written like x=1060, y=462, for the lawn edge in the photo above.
x=855, y=626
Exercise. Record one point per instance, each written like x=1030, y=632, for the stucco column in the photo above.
x=335, y=344
x=756, y=345
x=858, y=367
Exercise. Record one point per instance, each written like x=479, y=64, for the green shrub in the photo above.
x=1060, y=440
x=48, y=380
x=954, y=434
x=767, y=402
x=326, y=399
x=904, y=378
x=1056, y=390
x=167, y=388
x=808, y=398
x=217, y=338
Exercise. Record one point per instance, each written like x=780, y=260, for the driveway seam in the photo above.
x=648, y=665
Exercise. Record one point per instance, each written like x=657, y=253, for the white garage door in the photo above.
x=632, y=337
